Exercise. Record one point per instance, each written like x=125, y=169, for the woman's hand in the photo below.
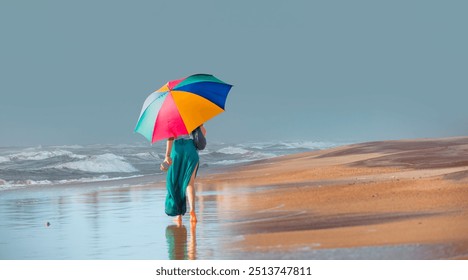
x=168, y=160
x=166, y=163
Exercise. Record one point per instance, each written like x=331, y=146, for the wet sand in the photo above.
x=383, y=200
x=403, y=199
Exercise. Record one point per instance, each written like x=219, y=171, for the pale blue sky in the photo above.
x=77, y=72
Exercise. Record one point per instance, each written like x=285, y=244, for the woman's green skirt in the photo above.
x=185, y=159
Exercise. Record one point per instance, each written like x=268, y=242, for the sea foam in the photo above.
x=4, y=159
x=40, y=155
x=106, y=163
x=233, y=150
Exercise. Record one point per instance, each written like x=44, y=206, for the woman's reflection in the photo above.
x=178, y=248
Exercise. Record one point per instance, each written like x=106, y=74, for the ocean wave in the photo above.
x=39, y=155
x=309, y=145
x=230, y=162
x=233, y=150
x=39, y=165
x=67, y=147
x=22, y=183
x=147, y=156
x=5, y=185
x=242, y=160
x=289, y=145
x=106, y=163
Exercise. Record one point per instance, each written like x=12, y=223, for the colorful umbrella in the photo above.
x=182, y=105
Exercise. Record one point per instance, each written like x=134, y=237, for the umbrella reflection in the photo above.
x=177, y=245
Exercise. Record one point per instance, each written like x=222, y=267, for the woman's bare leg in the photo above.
x=178, y=220
x=191, y=196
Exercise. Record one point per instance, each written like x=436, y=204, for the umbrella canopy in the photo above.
x=182, y=105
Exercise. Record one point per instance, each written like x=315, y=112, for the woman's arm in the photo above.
x=168, y=159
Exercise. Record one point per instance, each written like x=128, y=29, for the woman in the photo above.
x=181, y=163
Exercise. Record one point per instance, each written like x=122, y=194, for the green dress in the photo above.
x=176, y=238
x=185, y=159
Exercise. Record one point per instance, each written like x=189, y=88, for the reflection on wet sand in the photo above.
x=179, y=248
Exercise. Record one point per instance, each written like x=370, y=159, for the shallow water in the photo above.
x=100, y=222
x=122, y=221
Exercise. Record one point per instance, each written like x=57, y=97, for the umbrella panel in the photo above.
x=214, y=92
x=169, y=122
x=153, y=103
x=194, y=109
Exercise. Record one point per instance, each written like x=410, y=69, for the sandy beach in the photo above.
x=405, y=199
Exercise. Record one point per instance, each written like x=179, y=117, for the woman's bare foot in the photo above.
x=193, y=217
x=178, y=220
